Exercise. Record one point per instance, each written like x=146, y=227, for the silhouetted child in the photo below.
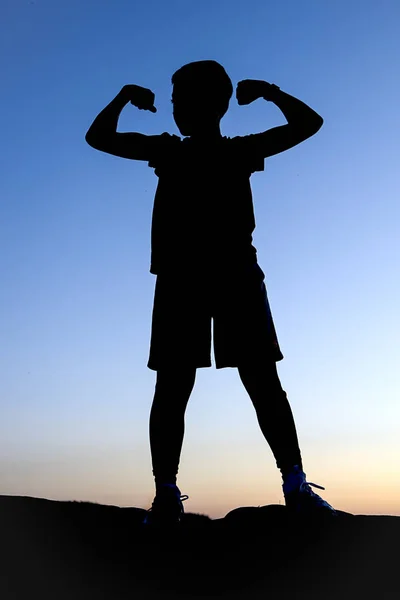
x=206, y=265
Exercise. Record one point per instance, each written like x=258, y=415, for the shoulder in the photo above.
x=244, y=150
x=164, y=145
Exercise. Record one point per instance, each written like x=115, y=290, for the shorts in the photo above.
x=184, y=305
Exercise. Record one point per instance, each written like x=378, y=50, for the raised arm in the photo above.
x=302, y=121
x=102, y=134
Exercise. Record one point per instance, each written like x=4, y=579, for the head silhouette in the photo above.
x=200, y=97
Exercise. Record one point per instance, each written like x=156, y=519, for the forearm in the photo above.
x=106, y=122
x=296, y=112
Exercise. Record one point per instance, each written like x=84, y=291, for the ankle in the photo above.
x=285, y=471
x=163, y=483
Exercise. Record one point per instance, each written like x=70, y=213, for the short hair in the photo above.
x=209, y=75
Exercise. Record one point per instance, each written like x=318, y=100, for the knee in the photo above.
x=262, y=384
x=175, y=383
x=257, y=374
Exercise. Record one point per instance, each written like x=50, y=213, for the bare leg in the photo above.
x=167, y=421
x=273, y=413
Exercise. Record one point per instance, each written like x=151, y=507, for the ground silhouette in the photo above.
x=83, y=550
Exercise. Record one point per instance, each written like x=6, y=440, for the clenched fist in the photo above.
x=249, y=90
x=140, y=97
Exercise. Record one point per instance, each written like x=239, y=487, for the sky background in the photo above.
x=77, y=295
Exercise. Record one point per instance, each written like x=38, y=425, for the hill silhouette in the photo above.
x=83, y=550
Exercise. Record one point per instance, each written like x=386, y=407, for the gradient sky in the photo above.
x=76, y=295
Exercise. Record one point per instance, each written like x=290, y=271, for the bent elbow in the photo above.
x=318, y=123
x=313, y=127
x=93, y=141
x=89, y=139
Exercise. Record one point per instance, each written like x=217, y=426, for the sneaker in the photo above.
x=299, y=497
x=167, y=507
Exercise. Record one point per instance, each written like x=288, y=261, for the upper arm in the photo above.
x=278, y=139
x=135, y=146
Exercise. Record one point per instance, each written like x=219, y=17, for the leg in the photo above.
x=273, y=412
x=167, y=421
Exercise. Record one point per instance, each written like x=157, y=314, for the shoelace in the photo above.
x=182, y=497
x=308, y=483
x=172, y=486
x=314, y=485
x=319, y=500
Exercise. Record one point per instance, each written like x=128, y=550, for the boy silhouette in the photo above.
x=206, y=266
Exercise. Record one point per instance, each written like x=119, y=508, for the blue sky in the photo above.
x=76, y=300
